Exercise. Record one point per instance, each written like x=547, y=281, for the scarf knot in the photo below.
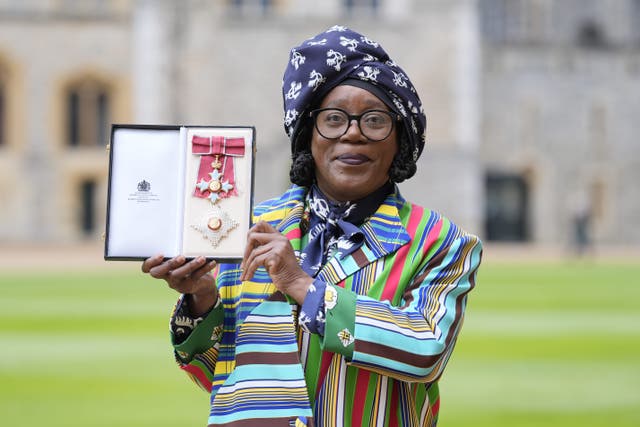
x=334, y=226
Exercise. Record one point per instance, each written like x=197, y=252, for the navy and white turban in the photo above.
x=323, y=62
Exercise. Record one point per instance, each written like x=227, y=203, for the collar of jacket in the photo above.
x=384, y=231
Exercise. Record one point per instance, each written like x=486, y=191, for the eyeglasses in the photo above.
x=375, y=125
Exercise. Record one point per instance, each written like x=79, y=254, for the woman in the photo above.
x=347, y=304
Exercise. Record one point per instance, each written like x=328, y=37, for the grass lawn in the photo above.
x=543, y=345
x=548, y=345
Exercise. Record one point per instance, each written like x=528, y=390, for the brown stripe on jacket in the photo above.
x=260, y=358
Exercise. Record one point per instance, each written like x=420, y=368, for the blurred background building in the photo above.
x=530, y=103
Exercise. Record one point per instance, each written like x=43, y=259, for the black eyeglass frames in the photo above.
x=375, y=125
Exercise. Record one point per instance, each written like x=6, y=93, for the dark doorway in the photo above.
x=507, y=208
x=2, y=113
x=87, y=207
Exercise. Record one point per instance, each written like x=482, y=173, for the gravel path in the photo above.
x=65, y=257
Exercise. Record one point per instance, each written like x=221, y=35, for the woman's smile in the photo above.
x=353, y=159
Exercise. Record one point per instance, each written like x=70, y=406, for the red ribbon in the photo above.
x=222, y=148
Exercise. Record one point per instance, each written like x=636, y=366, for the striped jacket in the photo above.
x=394, y=308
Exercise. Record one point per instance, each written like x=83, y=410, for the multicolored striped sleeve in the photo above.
x=409, y=334
x=197, y=354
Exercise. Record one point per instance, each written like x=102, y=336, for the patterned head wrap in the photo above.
x=323, y=62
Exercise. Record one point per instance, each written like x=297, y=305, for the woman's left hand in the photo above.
x=267, y=248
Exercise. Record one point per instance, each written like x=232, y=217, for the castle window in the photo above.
x=87, y=113
x=251, y=7
x=492, y=20
x=635, y=20
x=354, y=7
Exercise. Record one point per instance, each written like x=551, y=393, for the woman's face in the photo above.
x=351, y=167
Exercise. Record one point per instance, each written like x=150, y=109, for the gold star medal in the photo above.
x=215, y=226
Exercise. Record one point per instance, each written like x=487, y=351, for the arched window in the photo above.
x=88, y=113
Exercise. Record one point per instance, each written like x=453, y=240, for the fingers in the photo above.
x=199, y=272
x=273, y=251
x=185, y=271
x=152, y=262
x=161, y=271
x=265, y=227
x=177, y=269
x=185, y=277
x=253, y=260
x=254, y=239
x=261, y=240
x=260, y=234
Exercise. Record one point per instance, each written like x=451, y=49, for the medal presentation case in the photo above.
x=179, y=190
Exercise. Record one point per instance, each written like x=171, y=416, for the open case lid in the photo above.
x=179, y=190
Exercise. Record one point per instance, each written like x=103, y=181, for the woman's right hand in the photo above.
x=193, y=278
